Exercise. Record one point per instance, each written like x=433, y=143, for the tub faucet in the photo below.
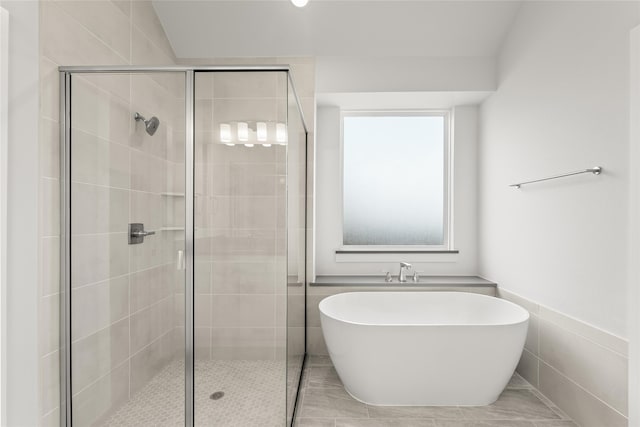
x=402, y=276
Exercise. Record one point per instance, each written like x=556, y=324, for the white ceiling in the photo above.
x=265, y=28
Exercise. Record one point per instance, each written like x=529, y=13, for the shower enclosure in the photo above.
x=183, y=197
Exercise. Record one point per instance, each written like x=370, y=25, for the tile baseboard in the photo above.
x=590, y=332
x=580, y=368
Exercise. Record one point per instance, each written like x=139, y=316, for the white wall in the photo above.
x=21, y=340
x=4, y=120
x=329, y=212
x=562, y=104
x=404, y=74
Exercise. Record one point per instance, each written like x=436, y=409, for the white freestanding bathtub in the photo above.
x=423, y=348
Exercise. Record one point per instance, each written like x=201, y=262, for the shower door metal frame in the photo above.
x=66, y=72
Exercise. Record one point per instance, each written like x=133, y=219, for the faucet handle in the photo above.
x=416, y=276
x=387, y=277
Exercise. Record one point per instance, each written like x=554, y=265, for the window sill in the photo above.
x=397, y=255
x=444, y=282
x=396, y=251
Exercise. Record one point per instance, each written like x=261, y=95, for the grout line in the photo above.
x=127, y=316
x=51, y=353
x=50, y=412
x=129, y=176
x=537, y=371
x=91, y=384
x=129, y=328
x=104, y=328
x=120, y=144
x=150, y=40
x=574, y=320
x=569, y=331
x=247, y=196
x=549, y=403
x=54, y=293
x=106, y=233
x=167, y=93
x=130, y=273
x=248, y=98
x=110, y=187
x=53, y=119
x=129, y=60
x=148, y=345
x=583, y=389
x=148, y=307
x=53, y=122
x=49, y=178
x=537, y=356
x=95, y=36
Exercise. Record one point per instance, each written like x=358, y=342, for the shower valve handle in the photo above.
x=387, y=276
x=142, y=233
x=137, y=233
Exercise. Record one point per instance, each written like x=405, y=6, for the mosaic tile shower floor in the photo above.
x=249, y=399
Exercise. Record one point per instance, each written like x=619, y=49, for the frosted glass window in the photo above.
x=394, y=179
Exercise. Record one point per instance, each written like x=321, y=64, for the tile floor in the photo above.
x=324, y=403
x=249, y=399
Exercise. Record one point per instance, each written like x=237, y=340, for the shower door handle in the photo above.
x=137, y=233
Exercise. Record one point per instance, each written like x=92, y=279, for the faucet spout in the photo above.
x=402, y=277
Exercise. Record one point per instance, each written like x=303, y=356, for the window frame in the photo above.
x=447, y=244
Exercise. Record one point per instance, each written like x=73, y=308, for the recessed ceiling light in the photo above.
x=300, y=3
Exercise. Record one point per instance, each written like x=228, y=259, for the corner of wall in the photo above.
x=634, y=230
x=21, y=406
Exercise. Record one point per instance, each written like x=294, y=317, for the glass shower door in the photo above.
x=241, y=248
x=133, y=318
x=296, y=225
x=127, y=197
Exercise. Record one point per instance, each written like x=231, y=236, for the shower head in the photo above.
x=151, y=125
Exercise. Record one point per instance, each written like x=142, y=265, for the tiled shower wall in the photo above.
x=124, y=300
x=240, y=222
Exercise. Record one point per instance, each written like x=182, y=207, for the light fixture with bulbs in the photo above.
x=243, y=131
x=300, y=3
x=261, y=131
x=225, y=134
x=281, y=133
x=252, y=133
